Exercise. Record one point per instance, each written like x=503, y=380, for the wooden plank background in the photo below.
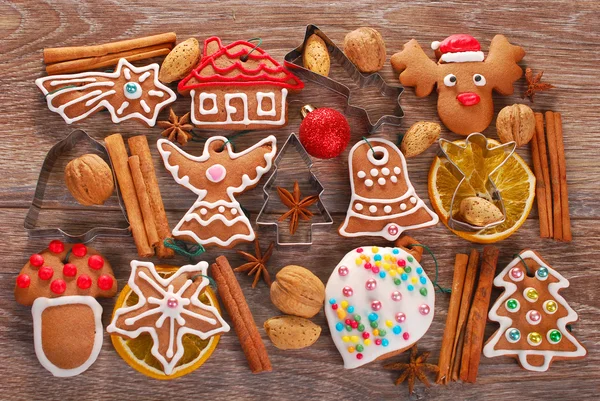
x=560, y=37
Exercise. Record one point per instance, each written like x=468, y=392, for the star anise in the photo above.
x=257, y=263
x=416, y=368
x=534, y=85
x=298, y=207
x=177, y=129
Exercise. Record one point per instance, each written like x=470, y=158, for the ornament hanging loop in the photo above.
x=245, y=57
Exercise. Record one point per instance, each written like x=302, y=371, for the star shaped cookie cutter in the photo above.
x=292, y=61
x=293, y=144
x=492, y=193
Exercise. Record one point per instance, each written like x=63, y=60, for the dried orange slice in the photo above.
x=137, y=351
x=514, y=179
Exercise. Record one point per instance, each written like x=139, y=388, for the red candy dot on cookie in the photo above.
x=36, y=260
x=105, y=282
x=96, y=262
x=79, y=250
x=58, y=286
x=56, y=246
x=23, y=281
x=45, y=273
x=84, y=282
x=69, y=270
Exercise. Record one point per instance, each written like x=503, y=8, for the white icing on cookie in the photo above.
x=260, y=96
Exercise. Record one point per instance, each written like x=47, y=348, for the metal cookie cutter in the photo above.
x=268, y=216
x=31, y=219
x=293, y=62
x=500, y=153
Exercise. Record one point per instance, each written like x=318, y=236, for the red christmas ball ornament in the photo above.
x=79, y=250
x=324, y=132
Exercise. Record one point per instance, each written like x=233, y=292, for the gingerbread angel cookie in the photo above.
x=128, y=92
x=62, y=283
x=238, y=87
x=533, y=316
x=217, y=218
x=383, y=201
x=464, y=79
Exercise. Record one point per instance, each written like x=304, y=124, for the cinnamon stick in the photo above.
x=540, y=136
x=554, y=175
x=144, y=200
x=242, y=321
x=478, y=316
x=540, y=184
x=562, y=167
x=460, y=268
x=58, y=54
x=465, y=305
x=405, y=242
x=119, y=159
x=138, y=146
x=92, y=63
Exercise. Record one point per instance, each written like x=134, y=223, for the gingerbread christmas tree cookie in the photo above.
x=533, y=316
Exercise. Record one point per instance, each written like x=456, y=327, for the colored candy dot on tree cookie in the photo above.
x=45, y=273
x=554, y=336
x=531, y=294
x=23, y=280
x=550, y=307
x=105, y=282
x=58, y=286
x=84, y=281
x=96, y=262
x=512, y=305
x=542, y=273
x=534, y=338
x=69, y=270
x=513, y=335
x=79, y=250
x=56, y=246
x=36, y=260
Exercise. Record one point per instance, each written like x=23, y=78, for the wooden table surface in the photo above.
x=560, y=37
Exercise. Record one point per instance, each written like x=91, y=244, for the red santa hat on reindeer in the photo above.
x=458, y=48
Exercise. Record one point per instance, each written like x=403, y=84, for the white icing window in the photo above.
x=260, y=99
x=212, y=99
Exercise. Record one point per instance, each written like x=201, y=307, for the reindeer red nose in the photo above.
x=468, y=98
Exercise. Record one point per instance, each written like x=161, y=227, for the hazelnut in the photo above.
x=366, y=49
x=89, y=179
x=516, y=123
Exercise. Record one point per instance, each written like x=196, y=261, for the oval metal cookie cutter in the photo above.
x=362, y=80
x=492, y=194
x=31, y=219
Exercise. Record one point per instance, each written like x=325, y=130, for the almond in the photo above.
x=366, y=49
x=419, y=137
x=479, y=212
x=180, y=61
x=315, y=56
x=89, y=179
x=292, y=332
x=516, y=123
x=296, y=291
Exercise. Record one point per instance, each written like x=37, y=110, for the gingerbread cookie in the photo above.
x=128, y=92
x=61, y=283
x=170, y=308
x=378, y=303
x=383, y=201
x=464, y=80
x=238, y=87
x=217, y=218
x=533, y=316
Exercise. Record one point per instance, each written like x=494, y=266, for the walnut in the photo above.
x=296, y=291
x=516, y=123
x=89, y=179
x=366, y=49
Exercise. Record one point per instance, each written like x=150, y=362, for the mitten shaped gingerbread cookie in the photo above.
x=62, y=283
x=217, y=218
x=464, y=80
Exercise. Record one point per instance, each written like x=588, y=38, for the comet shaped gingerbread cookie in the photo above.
x=383, y=201
x=127, y=93
x=217, y=218
x=465, y=79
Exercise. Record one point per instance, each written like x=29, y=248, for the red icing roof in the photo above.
x=224, y=66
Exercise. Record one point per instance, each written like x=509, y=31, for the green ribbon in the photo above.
x=183, y=248
x=434, y=282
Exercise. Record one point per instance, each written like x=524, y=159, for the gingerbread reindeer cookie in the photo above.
x=383, y=202
x=465, y=79
x=128, y=92
x=217, y=218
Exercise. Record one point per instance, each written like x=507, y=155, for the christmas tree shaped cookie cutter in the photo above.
x=500, y=154
x=293, y=62
x=291, y=155
x=32, y=223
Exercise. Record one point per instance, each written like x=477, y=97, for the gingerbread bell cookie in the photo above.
x=216, y=218
x=533, y=316
x=465, y=79
x=238, y=87
x=378, y=303
x=166, y=321
x=383, y=201
x=62, y=283
x=127, y=93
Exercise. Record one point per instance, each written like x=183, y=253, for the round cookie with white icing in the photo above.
x=379, y=302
